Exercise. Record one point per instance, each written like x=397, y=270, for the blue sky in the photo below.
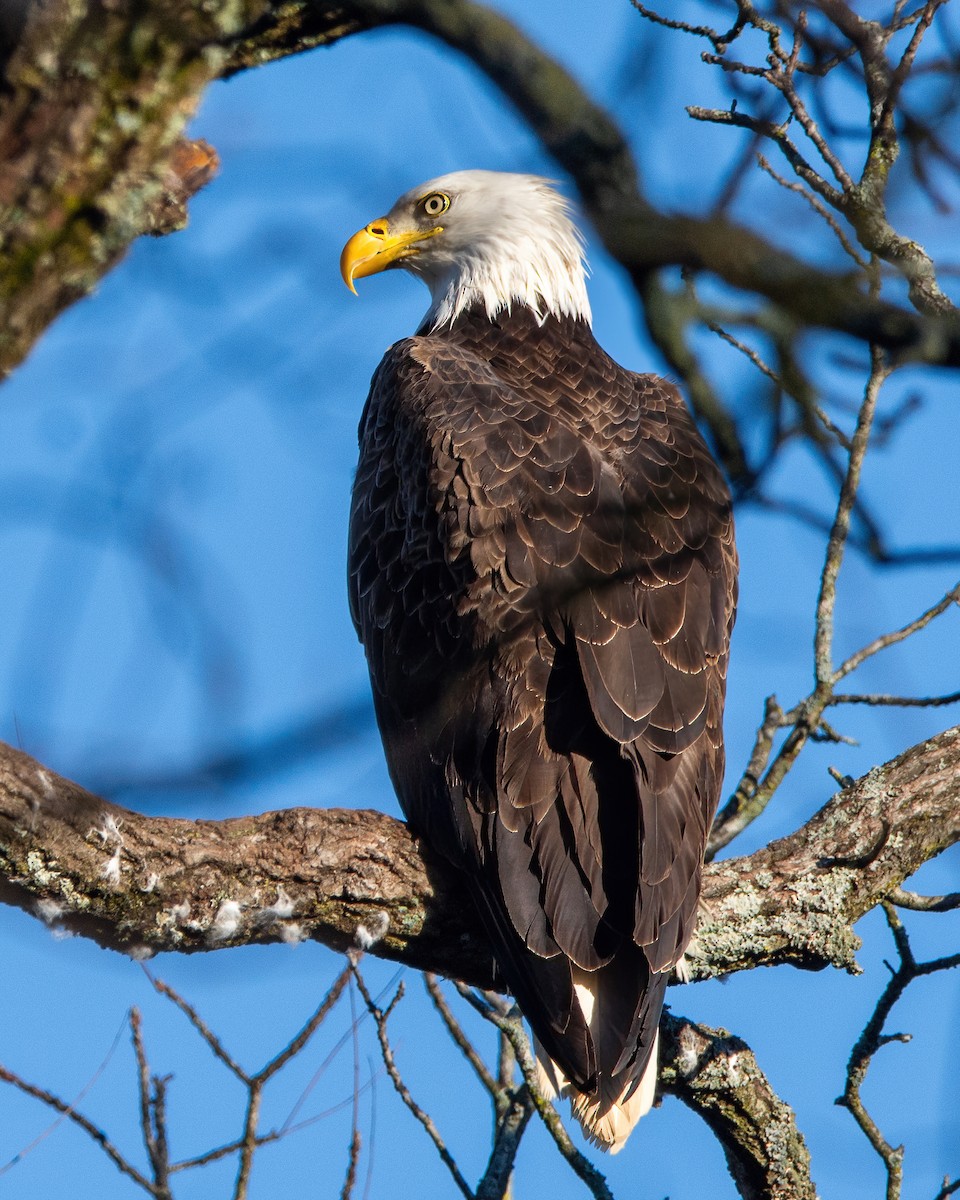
x=175, y=466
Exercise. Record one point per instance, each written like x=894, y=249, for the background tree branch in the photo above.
x=86, y=154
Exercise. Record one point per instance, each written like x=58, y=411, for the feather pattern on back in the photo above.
x=543, y=574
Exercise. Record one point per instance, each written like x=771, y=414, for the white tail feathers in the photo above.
x=606, y=1122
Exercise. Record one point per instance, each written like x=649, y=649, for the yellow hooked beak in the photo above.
x=375, y=248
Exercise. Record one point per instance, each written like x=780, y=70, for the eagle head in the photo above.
x=479, y=237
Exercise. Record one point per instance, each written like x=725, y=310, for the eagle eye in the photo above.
x=434, y=204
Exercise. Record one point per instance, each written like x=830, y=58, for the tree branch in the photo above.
x=87, y=155
x=586, y=143
x=144, y=884
x=717, y=1076
x=92, y=108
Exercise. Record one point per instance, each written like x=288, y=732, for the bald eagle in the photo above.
x=542, y=572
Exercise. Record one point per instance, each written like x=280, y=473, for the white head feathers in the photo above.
x=506, y=240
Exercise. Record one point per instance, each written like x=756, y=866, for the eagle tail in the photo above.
x=609, y=1113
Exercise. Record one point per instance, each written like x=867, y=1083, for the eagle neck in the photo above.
x=539, y=344
x=553, y=285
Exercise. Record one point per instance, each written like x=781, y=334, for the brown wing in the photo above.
x=544, y=585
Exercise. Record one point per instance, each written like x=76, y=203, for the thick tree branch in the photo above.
x=92, y=107
x=717, y=1076
x=145, y=884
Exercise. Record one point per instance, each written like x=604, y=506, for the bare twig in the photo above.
x=819, y=208
x=880, y=699
x=918, y=903
x=873, y=1038
x=334, y=992
x=348, y=1035
x=747, y=351
x=153, y=1110
x=248, y=1139
x=762, y=777
x=353, y=1154
x=158, y=1114
x=898, y=635
x=255, y=1083
x=512, y=1104
x=380, y=1017
x=742, y=808
x=467, y=1049
x=823, y=642
x=65, y=1114
x=207, y=1034
x=353, y=1158
x=511, y=1025
x=152, y=1097
x=71, y=1114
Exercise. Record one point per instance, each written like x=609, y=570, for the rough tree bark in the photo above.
x=145, y=884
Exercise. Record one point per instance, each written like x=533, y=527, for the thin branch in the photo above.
x=466, y=1047
x=904, y=67
x=880, y=699
x=783, y=81
x=41, y=1137
x=744, y=807
x=353, y=1157
x=819, y=208
x=918, y=903
x=751, y=798
x=84, y=1123
x=873, y=1038
x=294, y=1047
x=380, y=1017
x=152, y=1112
x=511, y=1026
x=205, y=1032
x=898, y=635
x=823, y=641
x=143, y=1084
x=353, y=1154
x=215, y=1155
x=777, y=133
x=263, y=1139
x=348, y=1035
x=747, y=351
x=158, y=1113
x=248, y=1139
x=681, y=26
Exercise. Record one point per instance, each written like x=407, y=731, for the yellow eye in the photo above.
x=434, y=204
